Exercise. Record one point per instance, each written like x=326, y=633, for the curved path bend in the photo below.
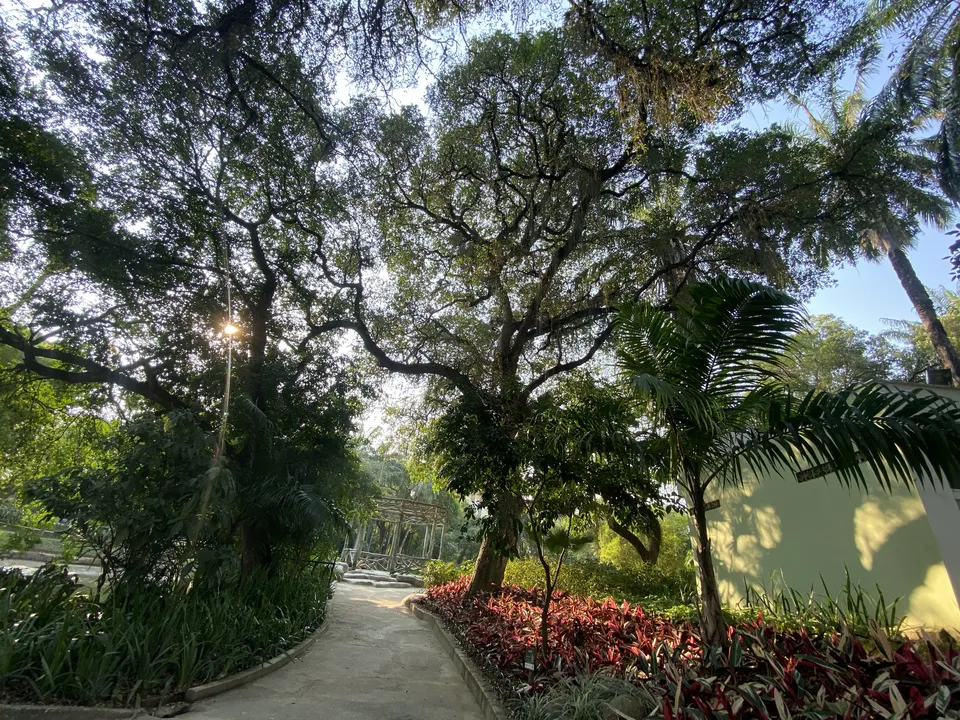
x=376, y=661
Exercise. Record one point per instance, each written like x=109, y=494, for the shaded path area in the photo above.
x=375, y=662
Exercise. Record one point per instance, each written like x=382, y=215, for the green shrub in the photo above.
x=586, y=697
x=676, y=550
x=599, y=580
x=438, y=572
x=58, y=645
x=18, y=540
x=851, y=608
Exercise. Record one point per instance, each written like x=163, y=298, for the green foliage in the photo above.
x=58, y=645
x=851, y=609
x=592, y=578
x=19, y=540
x=911, y=342
x=710, y=375
x=585, y=697
x=154, y=506
x=675, y=549
x=924, y=82
x=439, y=572
x=159, y=505
x=832, y=354
x=46, y=188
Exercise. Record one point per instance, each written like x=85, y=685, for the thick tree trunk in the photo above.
x=647, y=555
x=255, y=541
x=496, y=548
x=255, y=551
x=712, y=624
x=489, y=569
x=924, y=306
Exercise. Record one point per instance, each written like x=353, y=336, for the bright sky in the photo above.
x=866, y=294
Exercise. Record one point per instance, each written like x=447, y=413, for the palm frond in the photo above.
x=899, y=435
x=740, y=331
x=948, y=151
x=654, y=358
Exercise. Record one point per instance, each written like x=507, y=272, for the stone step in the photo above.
x=376, y=583
x=368, y=575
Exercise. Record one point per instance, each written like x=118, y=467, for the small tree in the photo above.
x=709, y=376
x=585, y=461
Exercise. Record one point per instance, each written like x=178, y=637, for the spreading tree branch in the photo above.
x=92, y=373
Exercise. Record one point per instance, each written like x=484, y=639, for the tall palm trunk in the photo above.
x=712, y=624
x=924, y=306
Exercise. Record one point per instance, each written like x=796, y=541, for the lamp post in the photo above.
x=229, y=330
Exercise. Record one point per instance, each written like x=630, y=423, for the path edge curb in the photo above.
x=217, y=687
x=69, y=712
x=483, y=693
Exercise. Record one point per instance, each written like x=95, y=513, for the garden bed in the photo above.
x=762, y=673
x=142, y=644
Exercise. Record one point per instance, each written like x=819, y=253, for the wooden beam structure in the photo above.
x=397, y=514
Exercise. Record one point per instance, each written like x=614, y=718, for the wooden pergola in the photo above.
x=397, y=514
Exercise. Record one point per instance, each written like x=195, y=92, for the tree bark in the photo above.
x=712, y=624
x=496, y=548
x=924, y=306
x=255, y=551
x=647, y=555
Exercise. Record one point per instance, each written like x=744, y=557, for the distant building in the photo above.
x=792, y=529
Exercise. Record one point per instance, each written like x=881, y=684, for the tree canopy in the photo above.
x=169, y=169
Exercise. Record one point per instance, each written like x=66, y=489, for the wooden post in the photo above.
x=361, y=537
x=440, y=551
x=345, y=553
x=392, y=562
x=433, y=534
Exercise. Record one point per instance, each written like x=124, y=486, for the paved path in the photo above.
x=375, y=662
x=86, y=574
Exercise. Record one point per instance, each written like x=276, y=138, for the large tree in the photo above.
x=494, y=238
x=709, y=378
x=207, y=144
x=831, y=354
x=925, y=80
x=912, y=349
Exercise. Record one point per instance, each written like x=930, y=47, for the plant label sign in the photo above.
x=528, y=659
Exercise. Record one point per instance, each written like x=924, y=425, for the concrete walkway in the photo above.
x=375, y=662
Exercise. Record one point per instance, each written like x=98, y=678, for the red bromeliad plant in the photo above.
x=585, y=635
x=760, y=673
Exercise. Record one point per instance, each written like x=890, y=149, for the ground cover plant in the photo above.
x=761, y=672
x=140, y=641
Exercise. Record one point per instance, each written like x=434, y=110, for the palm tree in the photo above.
x=709, y=377
x=926, y=79
x=890, y=180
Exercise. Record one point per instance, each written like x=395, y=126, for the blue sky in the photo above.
x=865, y=294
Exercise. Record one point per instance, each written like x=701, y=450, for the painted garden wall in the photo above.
x=908, y=543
